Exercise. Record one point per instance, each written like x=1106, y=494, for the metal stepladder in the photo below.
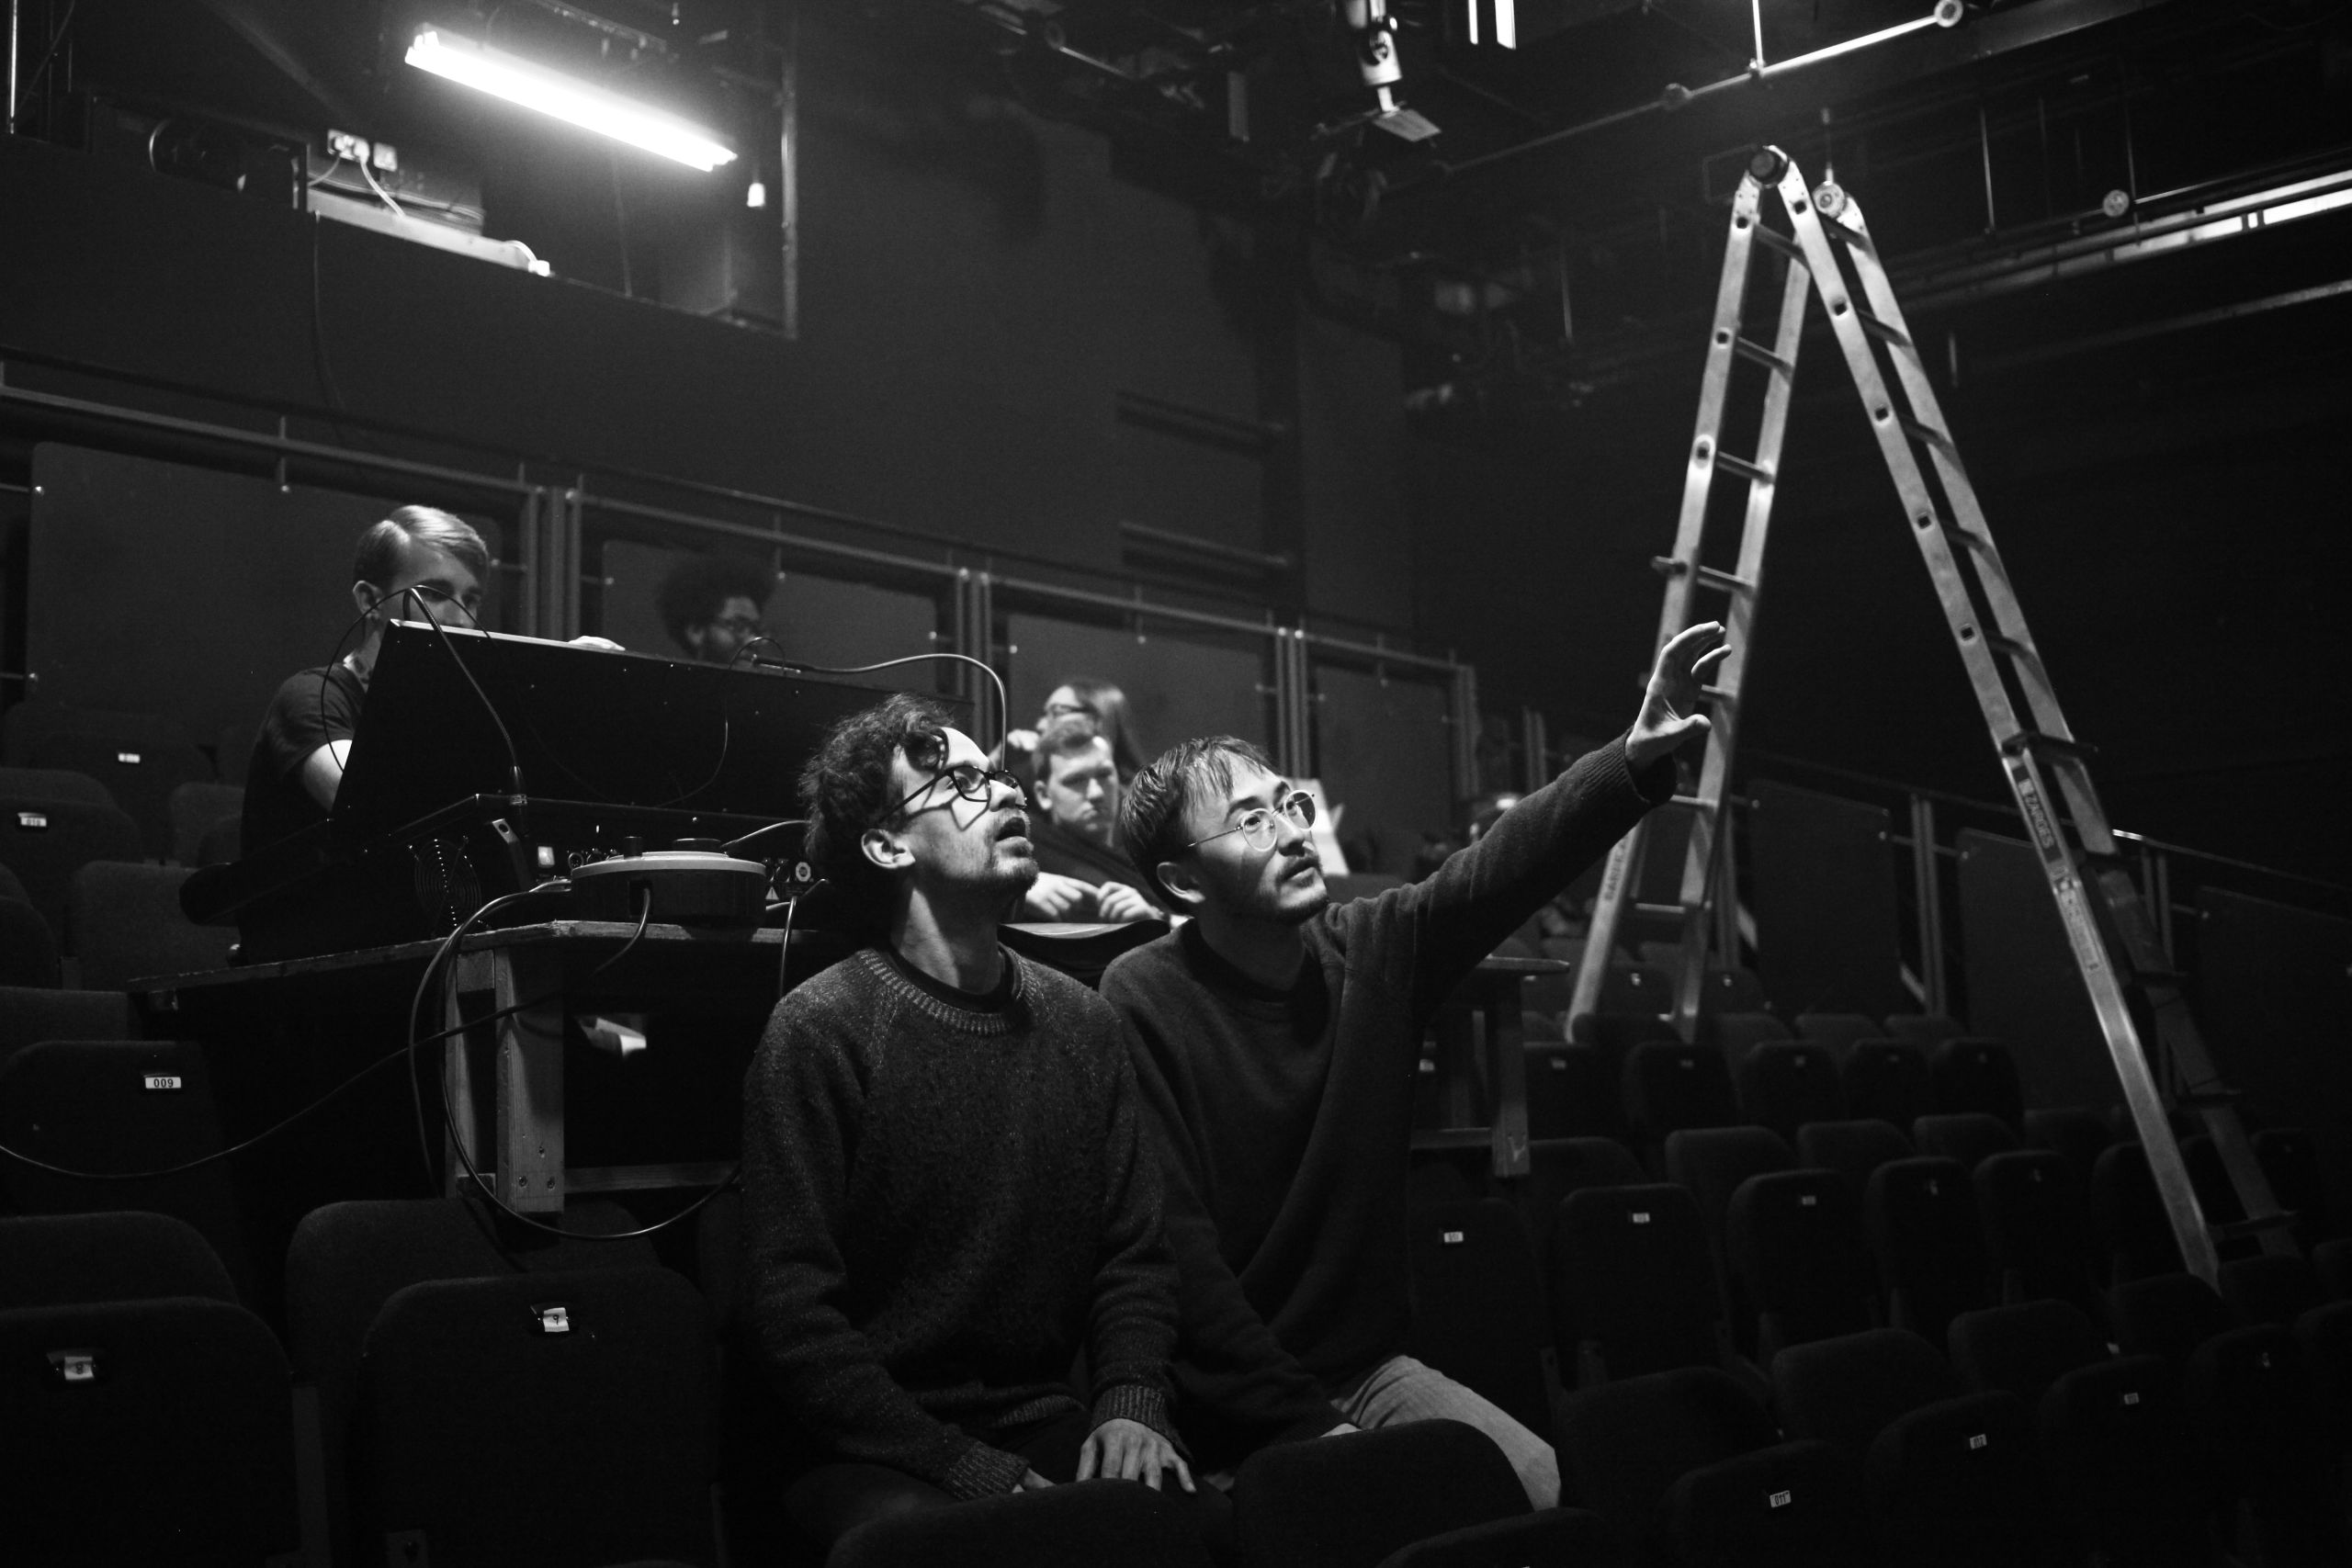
x=2112, y=939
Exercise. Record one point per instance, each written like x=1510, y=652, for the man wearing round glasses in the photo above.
x=947, y=1193
x=1277, y=1043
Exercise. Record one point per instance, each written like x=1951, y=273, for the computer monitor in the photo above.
x=585, y=725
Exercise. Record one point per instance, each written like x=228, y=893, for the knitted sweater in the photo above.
x=943, y=1202
x=1283, y=1116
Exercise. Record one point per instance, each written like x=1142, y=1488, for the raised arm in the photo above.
x=1456, y=916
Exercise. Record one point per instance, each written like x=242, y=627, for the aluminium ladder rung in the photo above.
x=1696, y=803
x=1927, y=435
x=2241, y=1230
x=1750, y=349
x=1784, y=243
x=1662, y=911
x=1707, y=576
x=2026, y=740
x=2014, y=647
x=1718, y=697
x=2198, y=1099
x=1744, y=467
x=1885, y=331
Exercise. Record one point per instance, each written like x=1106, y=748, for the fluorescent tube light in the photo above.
x=552, y=93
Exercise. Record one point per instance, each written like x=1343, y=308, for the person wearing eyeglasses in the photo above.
x=712, y=605
x=1277, y=1037
x=947, y=1193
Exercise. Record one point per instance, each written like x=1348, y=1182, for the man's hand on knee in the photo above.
x=1031, y=1482
x=1121, y=1449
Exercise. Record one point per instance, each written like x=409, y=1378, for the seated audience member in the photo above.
x=1079, y=868
x=1276, y=1038
x=711, y=605
x=305, y=736
x=1101, y=701
x=946, y=1190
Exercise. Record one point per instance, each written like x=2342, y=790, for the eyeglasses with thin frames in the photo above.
x=1261, y=827
x=970, y=781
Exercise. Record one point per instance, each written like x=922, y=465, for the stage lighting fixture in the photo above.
x=579, y=103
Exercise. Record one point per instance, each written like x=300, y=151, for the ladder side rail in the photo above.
x=2020, y=766
x=2129, y=916
x=1968, y=516
x=1621, y=878
x=1708, y=830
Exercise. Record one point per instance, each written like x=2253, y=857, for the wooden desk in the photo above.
x=1495, y=1088
x=503, y=1077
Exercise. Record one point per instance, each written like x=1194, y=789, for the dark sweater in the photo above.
x=1283, y=1117
x=944, y=1198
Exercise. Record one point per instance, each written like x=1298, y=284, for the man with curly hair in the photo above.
x=947, y=1193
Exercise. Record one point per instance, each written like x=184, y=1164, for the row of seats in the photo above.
x=2035, y=1442
x=1598, y=1270
x=142, y=764
x=448, y=1392
x=121, y=920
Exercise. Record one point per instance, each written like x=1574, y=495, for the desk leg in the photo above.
x=1457, y=1066
x=470, y=979
x=1508, y=1047
x=530, y=1079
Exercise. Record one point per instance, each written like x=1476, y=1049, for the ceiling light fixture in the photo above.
x=578, y=103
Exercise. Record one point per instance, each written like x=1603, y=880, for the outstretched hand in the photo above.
x=1670, y=713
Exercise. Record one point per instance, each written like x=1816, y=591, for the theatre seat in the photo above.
x=144, y=1433
x=1571, y=1093
x=1885, y=1080
x=107, y=1107
x=1632, y=1287
x=2079, y=1132
x=46, y=841
x=2132, y=1216
x=1566, y=1536
x=1625, y=1445
x=1853, y=1149
x=196, y=808
x=347, y=1259
x=1925, y=1030
x=1920, y=1216
x=541, y=1419
x=53, y=783
x=58, y=1259
x=1974, y=1075
x=27, y=947
x=31, y=1013
x=1794, y=1504
x=1785, y=1084
x=1122, y=1522
x=1795, y=1242
x=127, y=925
x=1477, y=1305
x=1672, y=1087
x=2036, y=1235
x=1353, y=1500
x=1970, y=1137
x=140, y=771
x=1838, y=1031
x=1952, y=1479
